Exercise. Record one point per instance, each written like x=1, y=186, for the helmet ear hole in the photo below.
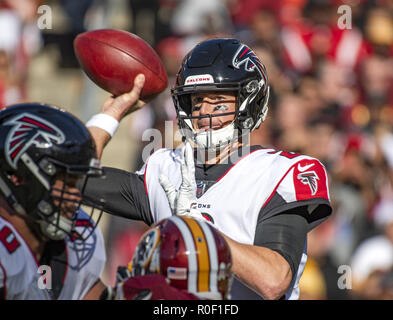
x=252, y=86
x=248, y=123
x=48, y=167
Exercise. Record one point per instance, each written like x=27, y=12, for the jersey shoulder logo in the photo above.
x=29, y=129
x=309, y=178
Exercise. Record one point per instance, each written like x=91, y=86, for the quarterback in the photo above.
x=44, y=152
x=262, y=200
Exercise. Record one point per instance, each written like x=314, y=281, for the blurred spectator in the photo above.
x=379, y=30
x=10, y=91
x=376, y=77
x=312, y=284
x=122, y=242
x=320, y=277
x=372, y=262
x=19, y=41
x=384, y=140
x=279, y=81
x=316, y=37
x=290, y=120
x=324, y=142
x=263, y=31
x=151, y=20
x=355, y=191
x=340, y=91
x=193, y=18
x=75, y=12
x=317, y=108
x=242, y=10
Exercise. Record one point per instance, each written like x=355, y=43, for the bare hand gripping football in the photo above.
x=124, y=65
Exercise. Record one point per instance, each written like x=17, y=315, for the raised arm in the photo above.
x=262, y=269
x=103, y=125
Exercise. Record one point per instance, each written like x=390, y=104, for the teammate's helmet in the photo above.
x=222, y=65
x=191, y=254
x=41, y=145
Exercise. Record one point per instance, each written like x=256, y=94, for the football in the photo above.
x=112, y=58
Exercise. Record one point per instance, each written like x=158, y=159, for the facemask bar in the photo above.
x=82, y=225
x=242, y=124
x=209, y=139
x=181, y=94
x=146, y=255
x=56, y=222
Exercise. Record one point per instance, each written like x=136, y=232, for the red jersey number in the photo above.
x=8, y=239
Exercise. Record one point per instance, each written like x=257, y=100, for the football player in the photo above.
x=263, y=201
x=179, y=258
x=49, y=247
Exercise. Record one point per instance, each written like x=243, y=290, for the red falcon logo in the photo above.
x=29, y=129
x=309, y=178
x=244, y=55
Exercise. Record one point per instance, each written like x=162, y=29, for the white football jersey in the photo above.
x=76, y=267
x=258, y=186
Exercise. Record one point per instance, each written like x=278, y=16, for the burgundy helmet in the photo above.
x=190, y=253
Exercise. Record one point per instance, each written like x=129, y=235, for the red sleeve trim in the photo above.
x=309, y=180
x=144, y=179
x=276, y=187
x=236, y=164
x=26, y=243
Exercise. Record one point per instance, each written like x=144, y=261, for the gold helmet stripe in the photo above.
x=201, y=246
x=192, y=256
x=213, y=255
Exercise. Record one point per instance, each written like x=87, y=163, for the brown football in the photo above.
x=112, y=58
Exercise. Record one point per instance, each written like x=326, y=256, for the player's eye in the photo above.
x=221, y=107
x=196, y=108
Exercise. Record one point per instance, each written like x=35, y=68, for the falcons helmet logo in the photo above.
x=309, y=178
x=244, y=55
x=27, y=130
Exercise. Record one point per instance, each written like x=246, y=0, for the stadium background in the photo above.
x=332, y=98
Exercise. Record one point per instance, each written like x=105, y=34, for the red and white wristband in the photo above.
x=104, y=122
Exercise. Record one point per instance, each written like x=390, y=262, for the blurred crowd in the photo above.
x=331, y=98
